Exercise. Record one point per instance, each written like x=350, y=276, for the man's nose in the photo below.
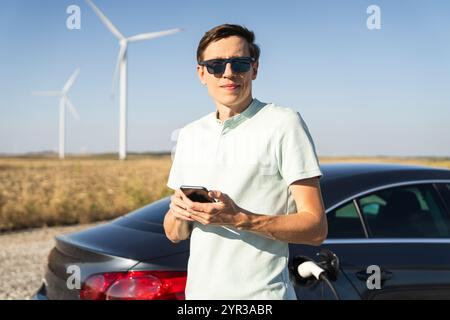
x=228, y=71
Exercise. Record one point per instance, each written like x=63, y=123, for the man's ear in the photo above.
x=255, y=69
x=201, y=74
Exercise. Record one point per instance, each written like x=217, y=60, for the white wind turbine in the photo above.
x=64, y=102
x=121, y=69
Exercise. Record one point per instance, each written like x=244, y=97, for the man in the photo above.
x=259, y=162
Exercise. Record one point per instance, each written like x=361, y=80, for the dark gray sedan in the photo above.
x=389, y=225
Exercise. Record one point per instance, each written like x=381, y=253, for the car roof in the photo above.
x=341, y=181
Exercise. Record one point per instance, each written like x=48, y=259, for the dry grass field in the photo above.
x=47, y=192
x=39, y=191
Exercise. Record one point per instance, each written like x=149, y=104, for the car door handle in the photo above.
x=363, y=275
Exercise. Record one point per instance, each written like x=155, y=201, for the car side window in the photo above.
x=444, y=189
x=405, y=212
x=344, y=222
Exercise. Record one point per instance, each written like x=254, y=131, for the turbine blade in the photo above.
x=105, y=20
x=47, y=93
x=72, y=109
x=122, y=52
x=152, y=35
x=71, y=81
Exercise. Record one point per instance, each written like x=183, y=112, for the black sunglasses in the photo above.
x=238, y=65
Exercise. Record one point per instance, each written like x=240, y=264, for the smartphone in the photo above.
x=197, y=193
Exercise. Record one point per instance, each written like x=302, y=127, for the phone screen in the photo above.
x=197, y=193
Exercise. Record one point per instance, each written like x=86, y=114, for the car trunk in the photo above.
x=113, y=247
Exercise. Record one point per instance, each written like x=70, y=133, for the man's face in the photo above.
x=230, y=47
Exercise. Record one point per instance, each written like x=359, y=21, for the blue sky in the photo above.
x=361, y=91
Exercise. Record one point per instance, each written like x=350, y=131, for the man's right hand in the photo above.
x=177, y=222
x=179, y=202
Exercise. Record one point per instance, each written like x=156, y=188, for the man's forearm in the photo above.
x=176, y=229
x=301, y=227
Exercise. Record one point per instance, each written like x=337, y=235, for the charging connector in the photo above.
x=308, y=272
x=308, y=269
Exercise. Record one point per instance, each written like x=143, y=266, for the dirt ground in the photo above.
x=23, y=256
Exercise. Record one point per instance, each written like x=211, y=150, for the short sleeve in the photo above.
x=296, y=153
x=176, y=172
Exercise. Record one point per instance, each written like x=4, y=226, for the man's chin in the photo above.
x=229, y=99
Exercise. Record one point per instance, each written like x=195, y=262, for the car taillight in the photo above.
x=135, y=285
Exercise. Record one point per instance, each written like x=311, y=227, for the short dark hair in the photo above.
x=225, y=31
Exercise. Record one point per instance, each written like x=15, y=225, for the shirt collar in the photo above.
x=237, y=119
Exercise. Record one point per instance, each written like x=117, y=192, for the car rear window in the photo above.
x=152, y=213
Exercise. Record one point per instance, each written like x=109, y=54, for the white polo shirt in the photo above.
x=253, y=157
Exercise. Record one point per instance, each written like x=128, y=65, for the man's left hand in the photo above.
x=223, y=212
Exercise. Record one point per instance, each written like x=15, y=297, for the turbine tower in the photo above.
x=64, y=102
x=121, y=69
